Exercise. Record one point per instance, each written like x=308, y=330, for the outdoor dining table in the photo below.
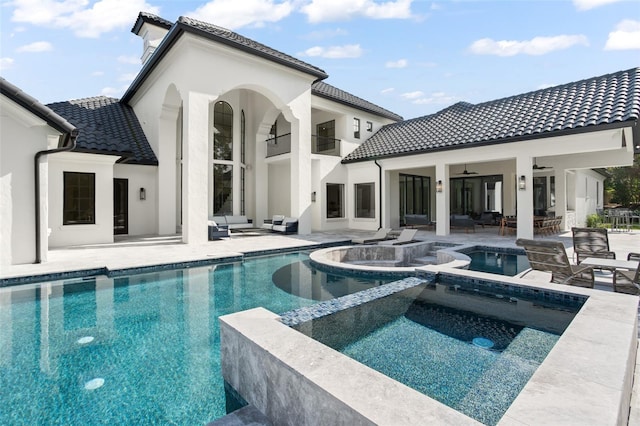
x=598, y=262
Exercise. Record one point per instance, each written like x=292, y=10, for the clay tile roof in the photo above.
x=327, y=91
x=107, y=127
x=608, y=99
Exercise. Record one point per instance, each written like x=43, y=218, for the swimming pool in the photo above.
x=497, y=262
x=138, y=349
x=458, y=344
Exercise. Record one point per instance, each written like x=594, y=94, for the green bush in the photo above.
x=593, y=221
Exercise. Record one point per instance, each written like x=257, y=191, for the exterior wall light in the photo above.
x=143, y=194
x=313, y=197
x=439, y=186
x=522, y=183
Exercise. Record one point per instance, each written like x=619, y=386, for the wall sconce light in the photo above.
x=313, y=197
x=439, y=186
x=522, y=183
x=143, y=194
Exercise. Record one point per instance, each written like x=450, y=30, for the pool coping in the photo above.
x=585, y=379
x=117, y=272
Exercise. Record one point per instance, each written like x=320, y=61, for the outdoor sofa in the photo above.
x=289, y=226
x=234, y=222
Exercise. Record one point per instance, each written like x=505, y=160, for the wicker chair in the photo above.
x=591, y=242
x=551, y=256
x=628, y=281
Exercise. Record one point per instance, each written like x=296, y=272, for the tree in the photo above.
x=623, y=185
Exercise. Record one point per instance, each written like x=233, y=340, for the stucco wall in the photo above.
x=143, y=218
x=102, y=230
x=22, y=136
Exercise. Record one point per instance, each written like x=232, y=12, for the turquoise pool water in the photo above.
x=138, y=349
x=498, y=263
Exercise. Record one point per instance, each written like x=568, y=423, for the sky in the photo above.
x=412, y=57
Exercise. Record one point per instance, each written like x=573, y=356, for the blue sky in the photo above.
x=412, y=57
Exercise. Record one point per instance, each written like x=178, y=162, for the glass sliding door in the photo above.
x=474, y=195
x=414, y=196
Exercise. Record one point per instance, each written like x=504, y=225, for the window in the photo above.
x=79, y=198
x=243, y=137
x=552, y=191
x=335, y=200
x=414, y=195
x=356, y=128
x=369, y=126
x=326, y=133
x=222, y=189
x=223, y=131
x=365, y=200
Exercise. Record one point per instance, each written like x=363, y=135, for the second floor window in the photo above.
x=356, y=128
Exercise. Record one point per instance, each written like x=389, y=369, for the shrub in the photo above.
x=593, y=220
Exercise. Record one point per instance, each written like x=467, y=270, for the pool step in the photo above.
x=245, y=416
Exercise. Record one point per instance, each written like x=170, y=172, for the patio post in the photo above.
x=442, y=199
x=524, y=195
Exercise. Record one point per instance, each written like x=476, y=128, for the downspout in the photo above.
x=68, y=143
x=379, y=190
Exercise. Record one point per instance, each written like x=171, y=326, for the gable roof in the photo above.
x=213, y=33
x=107, y=126
x=586, y=105
x=32, y=105
x=332, y=93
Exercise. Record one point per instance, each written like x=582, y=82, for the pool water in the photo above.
x=498, y=263
x=138, y=349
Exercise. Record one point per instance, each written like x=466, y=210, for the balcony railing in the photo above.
x=319, y=145
x=325, y=146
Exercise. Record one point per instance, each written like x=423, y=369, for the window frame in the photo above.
x=340, y=207
x=372, y=202
x=356, y=128
x=369, y=126
x=68, y=209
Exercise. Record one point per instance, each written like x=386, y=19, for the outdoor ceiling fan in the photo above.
x=536, y=167
x=466, y=172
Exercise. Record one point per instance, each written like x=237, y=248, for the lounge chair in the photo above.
x=380, y=235
x=628, y=281
x=405, y=237
x=591, y=242
x=551, y=256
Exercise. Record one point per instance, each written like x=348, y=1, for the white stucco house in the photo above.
x=218, y=124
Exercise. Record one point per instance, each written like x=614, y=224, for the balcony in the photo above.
x=319, y=145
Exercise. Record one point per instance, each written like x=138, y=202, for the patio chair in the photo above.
x=405, y=237
x=591, y=242
x=380, y=235
x=628, y=281
x=551, y=256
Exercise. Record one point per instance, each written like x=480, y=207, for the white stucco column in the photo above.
x=442, y=199
x=561, y=196
x=167, y=166
x=524, y=197
x=195, y=168
x=301, y=162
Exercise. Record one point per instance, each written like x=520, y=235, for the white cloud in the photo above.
x=435, y=6
x=128, y=77
x=134, y=60
x=335, y=52
x=413, y=95
x=438, y=98
x=81, y=17
x=36, y=47
x=235, y=14
x=400, y=63
x=337, y=10
x=535, y=46
x=387, y=90
x=625, y=37
x=591, y=4
x=6, y=63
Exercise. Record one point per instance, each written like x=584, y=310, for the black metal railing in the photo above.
x=325, y=145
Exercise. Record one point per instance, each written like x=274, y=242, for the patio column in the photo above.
x=561, y=196
x=167, y=165
x=195, y=166
x=524, y=196
x=261, y=172
x=301, y=162
x=442, y=199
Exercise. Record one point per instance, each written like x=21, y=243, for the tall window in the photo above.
x=243, y=138
x=222, y=158
x=356, y=128
x=335, y=200
x=79, y=205
x=414, y=195
x=223, y=131
x=222, y=189
x=365, y=200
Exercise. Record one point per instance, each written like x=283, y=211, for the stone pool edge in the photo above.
x=293, y=379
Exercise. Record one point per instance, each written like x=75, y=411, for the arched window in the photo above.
x=223, y=131
x=222, y=157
